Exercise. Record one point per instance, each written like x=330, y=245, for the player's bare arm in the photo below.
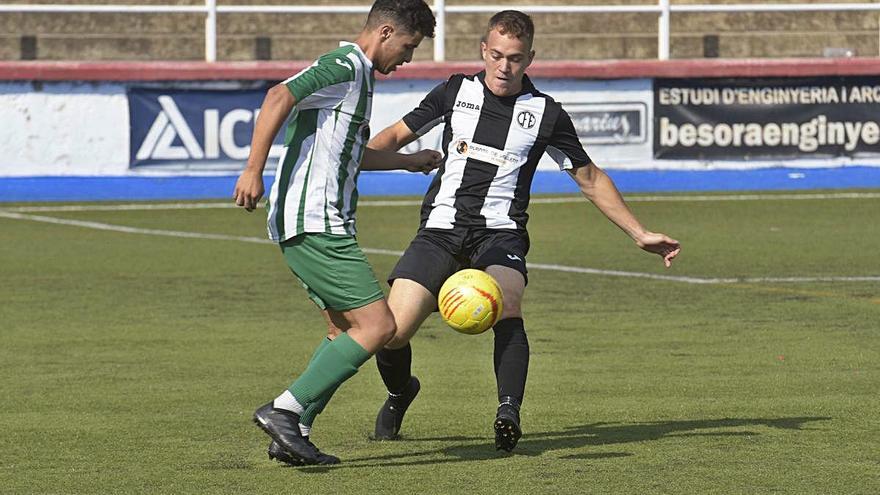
x=380, y=153
x=276, y=107
x=393, y=137
x=423, y=161
x=601, y=191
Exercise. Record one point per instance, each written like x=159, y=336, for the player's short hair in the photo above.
x=513, y=23
x=413, y=16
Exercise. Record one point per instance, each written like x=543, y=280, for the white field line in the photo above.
x=130, y=230
x=700, y=280
x=125, y=207
x=414, y=202
x=389, y=252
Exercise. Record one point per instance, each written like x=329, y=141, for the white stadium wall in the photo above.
x=63, y=129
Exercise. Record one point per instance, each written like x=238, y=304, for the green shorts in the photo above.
x=332, y=269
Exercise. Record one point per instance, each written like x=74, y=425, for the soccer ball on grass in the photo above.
x=470, y=301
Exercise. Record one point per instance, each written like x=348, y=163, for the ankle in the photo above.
x=400, y=392
x=509, y=400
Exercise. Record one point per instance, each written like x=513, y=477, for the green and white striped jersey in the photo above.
x=315, y=187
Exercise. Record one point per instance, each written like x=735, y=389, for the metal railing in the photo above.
x=663, y=9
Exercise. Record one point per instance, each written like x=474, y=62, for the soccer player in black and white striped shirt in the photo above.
x=497, y=126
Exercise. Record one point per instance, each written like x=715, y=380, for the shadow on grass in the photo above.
x=465, y=449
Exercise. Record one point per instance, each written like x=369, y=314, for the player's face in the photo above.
x=507, y=59
x=397, y=48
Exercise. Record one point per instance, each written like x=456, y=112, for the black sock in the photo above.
x=511, y=359
x=395, y=366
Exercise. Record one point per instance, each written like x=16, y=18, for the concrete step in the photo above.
x=559, y=36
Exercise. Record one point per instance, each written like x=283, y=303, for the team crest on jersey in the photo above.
x=461, y=147
x=526, y=119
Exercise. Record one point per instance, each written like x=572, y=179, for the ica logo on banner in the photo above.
x=195, y=129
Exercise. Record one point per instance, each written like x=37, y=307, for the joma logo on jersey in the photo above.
x=170, y=126
x=467, y=105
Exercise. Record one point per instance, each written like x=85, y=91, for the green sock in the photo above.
x=307, y=418
x=324, y=343
x=337, y=362
x=314, y=409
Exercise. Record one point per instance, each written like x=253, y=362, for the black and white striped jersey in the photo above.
x=491, y=148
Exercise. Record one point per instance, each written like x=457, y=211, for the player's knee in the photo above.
x=333, y=331
x=385, y=327
x=511, y=312
x=406, y=328
x=399, y=341
x=512, y=284
x=511, y=307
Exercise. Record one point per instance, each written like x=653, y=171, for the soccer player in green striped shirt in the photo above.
x=312, y=208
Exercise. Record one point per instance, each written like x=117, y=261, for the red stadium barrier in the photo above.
x=591, y=69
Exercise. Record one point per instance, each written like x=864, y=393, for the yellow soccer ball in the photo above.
x=470, y=301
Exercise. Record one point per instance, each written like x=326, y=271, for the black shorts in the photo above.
x=435, y=254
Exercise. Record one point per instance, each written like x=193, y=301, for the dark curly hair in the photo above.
x=413, y=16
x=513, y=23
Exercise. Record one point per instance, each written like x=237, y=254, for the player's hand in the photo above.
x=660, y=244
x=249, y=189
x=424, y=161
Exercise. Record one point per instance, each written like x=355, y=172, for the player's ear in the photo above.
x=385, y=31
x=531, y=57
x=483, y=48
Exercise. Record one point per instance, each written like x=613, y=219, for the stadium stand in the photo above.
x=180, y=36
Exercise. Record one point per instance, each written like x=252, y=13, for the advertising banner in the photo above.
x=205, y=129
x=194, y=129
x=609, y=123
x=784, y=118
x=613, y=119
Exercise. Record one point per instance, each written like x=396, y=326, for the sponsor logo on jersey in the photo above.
x=487, y=154
x=466, y=105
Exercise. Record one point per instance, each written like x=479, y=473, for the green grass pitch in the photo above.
x=132, y=362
